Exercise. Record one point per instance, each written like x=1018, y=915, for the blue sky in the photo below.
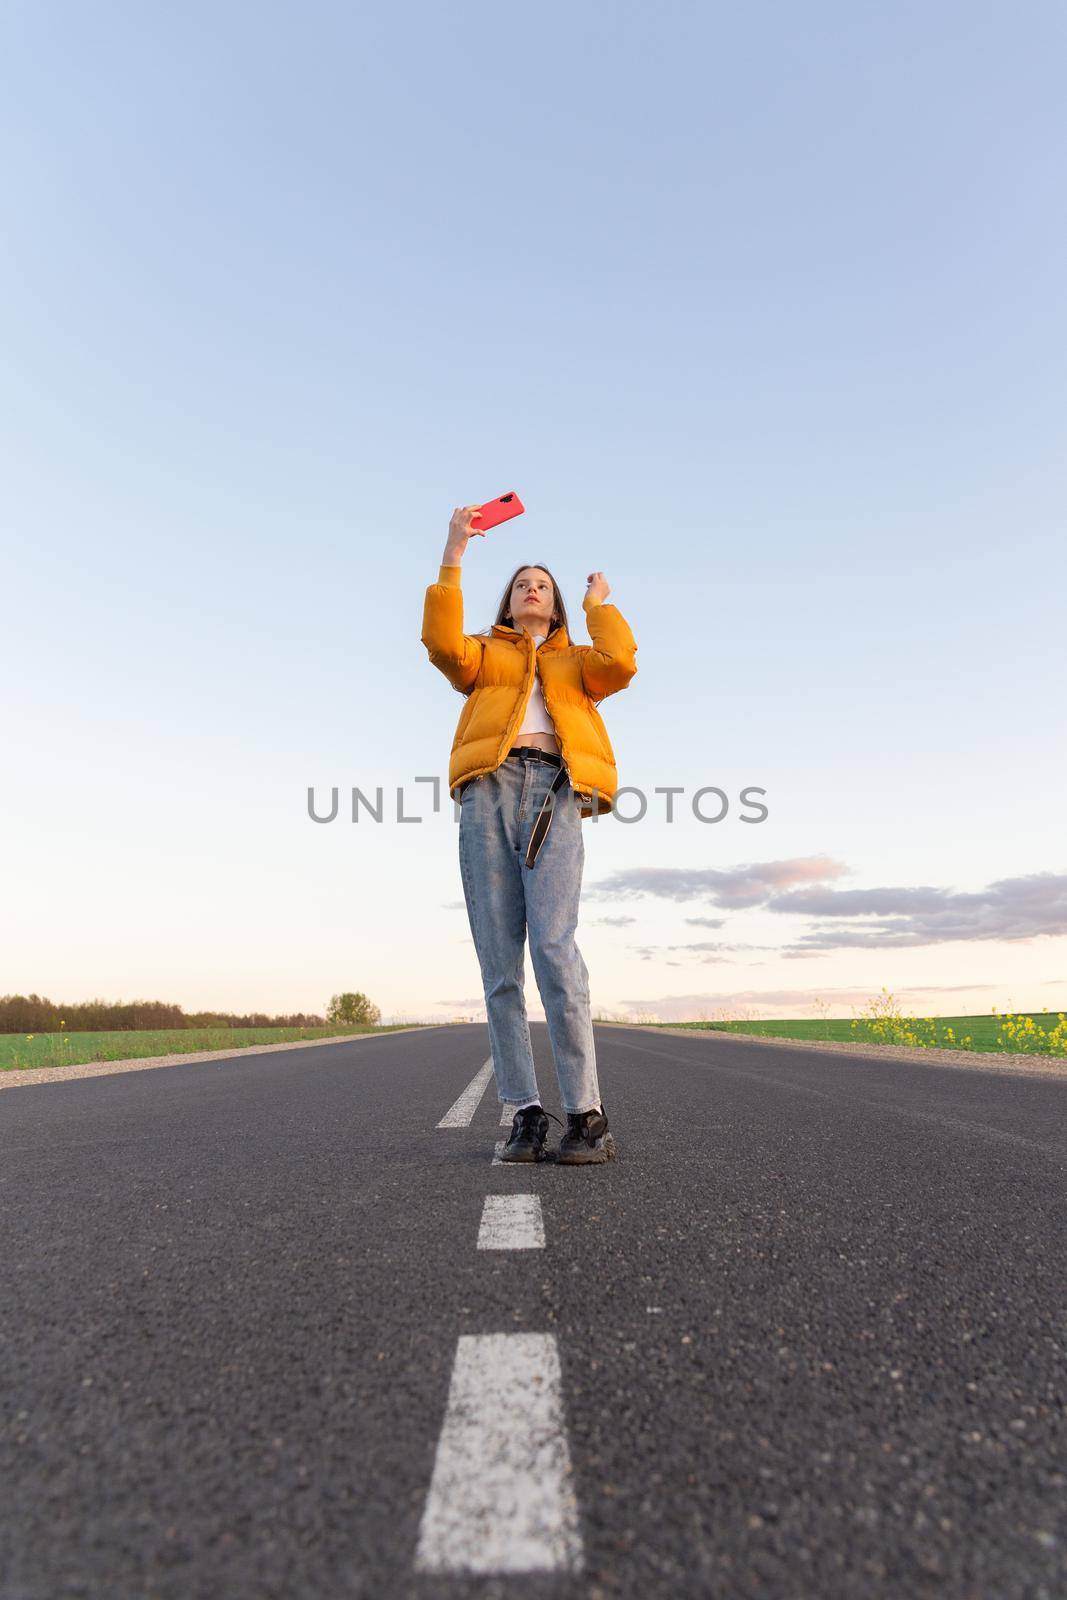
x=760, y=310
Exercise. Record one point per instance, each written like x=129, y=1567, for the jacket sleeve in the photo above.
x=610, y=661
x=457, y=654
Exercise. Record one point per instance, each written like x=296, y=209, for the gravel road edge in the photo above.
x=970, y=1060
x=26, y=1076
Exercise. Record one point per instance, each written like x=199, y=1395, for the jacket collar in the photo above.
x=557, y=639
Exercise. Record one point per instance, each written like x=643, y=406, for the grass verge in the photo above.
x=19, y=1051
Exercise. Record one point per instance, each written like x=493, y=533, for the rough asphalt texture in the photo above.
x=811, y=1322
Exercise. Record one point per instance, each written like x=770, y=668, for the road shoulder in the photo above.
x=969, y=1060
x=25, y=1076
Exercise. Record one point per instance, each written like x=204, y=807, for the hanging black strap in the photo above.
x=544, y=817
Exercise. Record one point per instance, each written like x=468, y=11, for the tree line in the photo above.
x=34, y=1013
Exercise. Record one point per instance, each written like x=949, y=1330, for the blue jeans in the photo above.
x=504, y=898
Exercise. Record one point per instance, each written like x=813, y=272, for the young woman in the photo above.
x=530, y=759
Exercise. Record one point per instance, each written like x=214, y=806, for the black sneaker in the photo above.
x=586, y=1139
x=529, y=1130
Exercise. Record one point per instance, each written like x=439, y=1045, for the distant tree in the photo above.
x=352, y=1008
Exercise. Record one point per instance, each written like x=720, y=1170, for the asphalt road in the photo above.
x=269, y=1330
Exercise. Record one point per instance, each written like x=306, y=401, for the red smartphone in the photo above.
x=496, y=511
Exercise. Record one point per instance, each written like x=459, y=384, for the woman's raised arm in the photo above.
x=610, y=661
x=455, y=653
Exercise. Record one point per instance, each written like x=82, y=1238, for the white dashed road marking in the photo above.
x=512, y=1222
x=501, y=1496
x=461, y=1114
x=497, y=1149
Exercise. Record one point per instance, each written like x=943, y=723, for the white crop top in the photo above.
x=537, y=719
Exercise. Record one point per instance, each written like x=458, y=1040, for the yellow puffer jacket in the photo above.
x=496, y=673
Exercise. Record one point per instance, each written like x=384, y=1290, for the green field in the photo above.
x=19, y=1050
x=988, y=1033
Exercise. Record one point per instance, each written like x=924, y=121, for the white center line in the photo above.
x=501, y=1496
x=461, y=1114
x=512, y=1222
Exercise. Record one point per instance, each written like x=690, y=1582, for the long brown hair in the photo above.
x=559, y=609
